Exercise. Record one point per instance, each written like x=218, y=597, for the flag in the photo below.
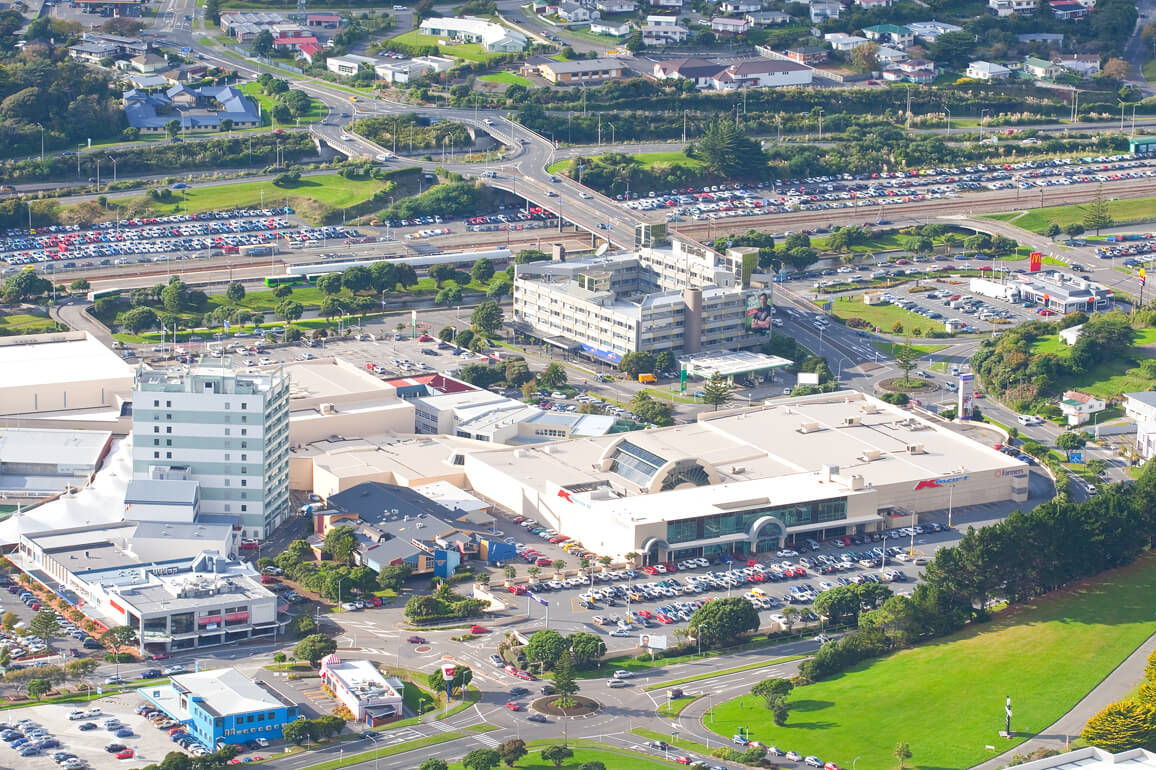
x=538, y=599
x=1142, y=276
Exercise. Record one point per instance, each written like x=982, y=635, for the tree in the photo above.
x=585, y=649
x=314, y=647
x=593, y=764
x=393, y=576
x=433, y=763
x=80, y=284
x=1070, y=440
x=296, y=732
x=1053, y=230
x=770, y=689
x=44, y=624
x=499, y=287
x=289, y=310
x=512, y=750
x=905, y=358
x=1097, y=466
x=174, y=295
x=38, y=688
x=117, y=637
x=557, y=754
x=518, y=372
x=721, y=621
x=546, y=647
x=1097, y=215
x=450, y=295
x=463, y=675
x=172, y=128
x=716, y=391
x=553, y=376
x=482, y=271
x=779, y=711
x=213, y=11
x=446, y=334
x=634, y=364
x=235, y=292
x=357, y=278
x=1116, y=69
x=510, y=571
x=902, y=752
x=9, y=621
x=384, y=275
x=263, y=43
x=1074, y=230
x=1120, y=726
x=406, y=276
x=481, y=759
x=329, y=283
x=725, y=150
x=866, y=57
x=139, y=319
x=340, y=543
x=487, y=317
x=330, y=307
x=558, y=565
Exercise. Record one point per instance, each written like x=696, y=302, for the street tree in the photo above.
x=637, y=363
x=235, y=292
x=433, y=763
x=717, y=391
x=44, y=624
x=481, y=759
x=585, y=649
x=340, y=543
x=546, y=647
x=487, y=317
x=721, y=621
x=557, y=754
x=1097, y=215
x=289, y=310
x=314, y=647
x=482, y=270
x=553, y=376
x=1070, y=440
x=296, y=732
x=512, y=750
x=329, y=284
x=905, y=358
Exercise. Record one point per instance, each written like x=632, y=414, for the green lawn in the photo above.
x=1110, y=378
x=1149, y=70
x=255, y=92
x=468, y=51
x=883, y=317
x=1122, y=211
x=614, y=760
x=946, y=698
x=509, y=78
x=888, y=348
x=25, y=323
x=328, y=189
x=647, y=160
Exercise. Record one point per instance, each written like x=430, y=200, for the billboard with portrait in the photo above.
x=759, y=311
x=652, y=642
x=966, y=396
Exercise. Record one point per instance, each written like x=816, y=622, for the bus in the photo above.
x=273, y=281
x=93, y=296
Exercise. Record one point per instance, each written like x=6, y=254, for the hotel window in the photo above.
x=156, y=429
x=156, y=455
x=156, y=403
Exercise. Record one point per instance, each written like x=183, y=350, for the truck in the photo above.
x=646, y=378
x=258, y=250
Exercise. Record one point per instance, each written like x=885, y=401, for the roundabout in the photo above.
x=582, y=706
x=899, y=385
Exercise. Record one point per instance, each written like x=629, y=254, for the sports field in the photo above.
x=946, y=698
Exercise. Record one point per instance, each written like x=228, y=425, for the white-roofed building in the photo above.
x=1141, y=406
x=60, y=371
x=493, y=37
x=369, y=696
x=463, y=507
x=37, y=462
x=1092, y=758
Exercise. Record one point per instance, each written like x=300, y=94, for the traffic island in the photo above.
x=579, y=706
x=900, y=385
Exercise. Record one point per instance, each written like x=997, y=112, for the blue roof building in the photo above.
x=197, y=109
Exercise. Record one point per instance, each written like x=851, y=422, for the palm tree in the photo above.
x=534, y=572
x=790, y=617
x=632, y=557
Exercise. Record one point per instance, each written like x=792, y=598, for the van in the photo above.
x=646, y=378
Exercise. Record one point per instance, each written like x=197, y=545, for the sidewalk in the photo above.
x=1067, y=728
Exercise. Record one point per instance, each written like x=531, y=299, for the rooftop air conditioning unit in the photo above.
x=871, y=455
x=869, y=409
x=849, y=421
x=328, y=408
x=809, y=427
x=915, y=449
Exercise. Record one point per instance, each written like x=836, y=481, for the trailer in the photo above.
x=994, y=289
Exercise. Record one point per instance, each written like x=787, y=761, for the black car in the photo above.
x=518, y=692
x=113, y=748
x=86, y=726
x=536, y=718
x=151, y=673
x=547, y=689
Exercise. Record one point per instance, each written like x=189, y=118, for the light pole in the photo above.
x=982, y=112
x=945, y=109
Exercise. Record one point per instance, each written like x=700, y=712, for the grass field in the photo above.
x=509, y=78
x=1110, y=378
x=883, y=317
x=646, y=159
x=888, y=348
x=255, y=92
x=1122, y=211
x=468, y=51
x=25, y=323
x=1149, y=70
x=946, y=698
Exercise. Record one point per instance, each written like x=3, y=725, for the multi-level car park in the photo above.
x=677, y=589
x=107, y=243
x=888, y=188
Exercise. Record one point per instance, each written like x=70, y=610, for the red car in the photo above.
x=126, y=754
x=509, y=668
x=513, y=706
x=649, y=570
x=267, y=579
x=645, y=614
x=523, y=675
x=670, y=568
x=476, y=629
x=665, y=619
x=517, y=590
x=683, y=759
x=416, y=640
x=542, y=562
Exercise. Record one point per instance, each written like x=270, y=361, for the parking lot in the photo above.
x=886, y=189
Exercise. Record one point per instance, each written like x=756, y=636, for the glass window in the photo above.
x=681, y=531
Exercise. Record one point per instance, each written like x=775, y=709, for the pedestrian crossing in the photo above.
x=441, y=726
x=487, y=740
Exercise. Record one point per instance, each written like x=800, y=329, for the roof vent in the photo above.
x=915, y=449
x=853, y=420
x=809, y=427
x=869, y=409
x=870, y=456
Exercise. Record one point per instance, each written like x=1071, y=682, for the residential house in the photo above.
x=721, y=25
x=762, y=73
x=494, y=38
x=309, y=52
x=1079, y=407
x=841, y=41
x=987, y=71
x=655, y=20
x=1051, y=39
x=293, y=43
x=244, y=26
x=1069, y=10
x=93, y=53
x=1003, y=8
x=766, y=18
x=149, y=63
x=664, y=34
x=323, y=20
x=929, y=31
x=179, y=75
x=822, y=10
x=196, y=109
x=872, y=4
x=890, y=34
x=734, y=7
x=349, y=65
x=807, y=54
x=697, y=70
x=610, y=28
x=571, y=11
x=616, y=6
x=584, y=71
x=910, y=71
x=888, y=55
x=1040, y=68
x=1084, y=65
x=672, y=5
x=1140, y=406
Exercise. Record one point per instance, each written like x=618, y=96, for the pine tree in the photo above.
x=564, y=684
x=1097, y=215
x=717, y=391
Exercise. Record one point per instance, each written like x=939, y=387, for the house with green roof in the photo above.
x=890, y=34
